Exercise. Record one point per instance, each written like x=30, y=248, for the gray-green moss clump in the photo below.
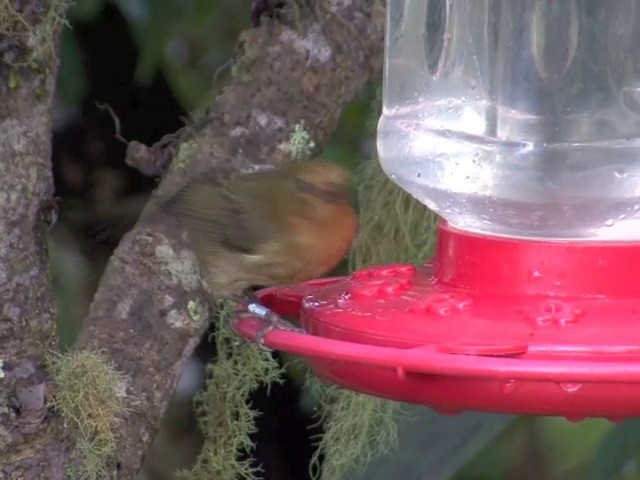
x=90, y=397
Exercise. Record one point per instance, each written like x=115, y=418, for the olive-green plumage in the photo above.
x=271, y=227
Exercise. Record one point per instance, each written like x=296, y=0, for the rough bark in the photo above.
x=151, y=308
x=27, y=331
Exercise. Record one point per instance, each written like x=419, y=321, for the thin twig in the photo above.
x=116, y=121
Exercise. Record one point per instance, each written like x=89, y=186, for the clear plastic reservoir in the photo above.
x=516, y=117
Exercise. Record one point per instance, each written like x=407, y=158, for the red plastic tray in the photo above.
x=493, y=324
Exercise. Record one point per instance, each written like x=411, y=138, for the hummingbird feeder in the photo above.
x=518, y=122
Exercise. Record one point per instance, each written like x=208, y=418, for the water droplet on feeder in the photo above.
x=570, y=387
x=509, y=386
x=535, y=273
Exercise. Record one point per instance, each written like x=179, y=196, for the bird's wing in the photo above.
x=216, y=216
x=244, y=229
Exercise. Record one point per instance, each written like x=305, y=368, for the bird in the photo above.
x=269, y=227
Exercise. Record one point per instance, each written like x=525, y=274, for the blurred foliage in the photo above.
x=618, y=454
x=190, y=42
x=72, y=82
x=552, y=448
x=187, y=40
x=70, y=275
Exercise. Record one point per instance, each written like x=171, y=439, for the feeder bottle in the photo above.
x=516, y=118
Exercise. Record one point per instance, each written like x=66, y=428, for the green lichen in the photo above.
x=300, y=143
x=90, y=397
x=181, y=266
x=181, y=159
x=196, y=311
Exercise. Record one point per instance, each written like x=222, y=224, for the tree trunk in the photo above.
x=28, y=64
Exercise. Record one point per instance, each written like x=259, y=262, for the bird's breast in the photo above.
x=323, y=241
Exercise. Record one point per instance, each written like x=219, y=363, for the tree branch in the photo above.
x=151, y=307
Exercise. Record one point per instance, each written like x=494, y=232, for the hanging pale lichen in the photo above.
x=357, y=430
x=226, y=418
x=394, y=227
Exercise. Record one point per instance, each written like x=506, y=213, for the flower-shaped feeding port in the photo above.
x=487, y=325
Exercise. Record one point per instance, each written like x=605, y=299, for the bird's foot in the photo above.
x=273, y=322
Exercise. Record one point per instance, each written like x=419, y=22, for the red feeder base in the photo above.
x=493, y=324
